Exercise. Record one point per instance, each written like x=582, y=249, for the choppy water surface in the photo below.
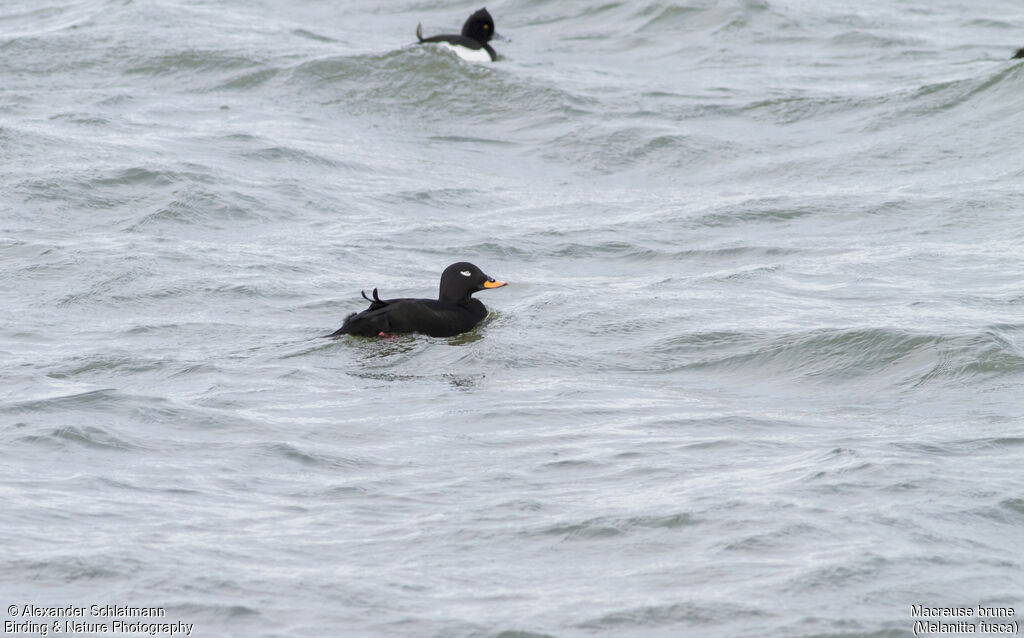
x=759, y=371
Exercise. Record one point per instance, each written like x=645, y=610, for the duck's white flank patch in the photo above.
x=473, y=55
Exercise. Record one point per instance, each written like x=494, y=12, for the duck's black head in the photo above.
x=459, y=282
x=479, y=26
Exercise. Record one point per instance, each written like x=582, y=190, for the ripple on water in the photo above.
x=67, y=567
x=680, y=613
x=292, y=453
x=202, y=207
x=607, y=526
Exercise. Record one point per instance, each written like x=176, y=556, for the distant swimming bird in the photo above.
x=453, y=312
x=1018, y=54
x=472, y=43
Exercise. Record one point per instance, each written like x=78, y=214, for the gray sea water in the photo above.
x=758, y=371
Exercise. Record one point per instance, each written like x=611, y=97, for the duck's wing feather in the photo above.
x=376, y=302
x=362, y=323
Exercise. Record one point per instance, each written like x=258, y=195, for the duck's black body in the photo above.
x=1019, y=54
x=453, y=312
x=477, y=31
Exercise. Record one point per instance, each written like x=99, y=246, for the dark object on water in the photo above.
x=453, y=312
x=1018, y=54
x=472, y=43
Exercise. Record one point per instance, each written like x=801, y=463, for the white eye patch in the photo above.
x=465, y=273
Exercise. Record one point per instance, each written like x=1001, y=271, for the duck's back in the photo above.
x=465, y=46
x=427, y=316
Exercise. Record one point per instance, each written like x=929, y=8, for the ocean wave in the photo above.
x=895, y=358
x=431, y=84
